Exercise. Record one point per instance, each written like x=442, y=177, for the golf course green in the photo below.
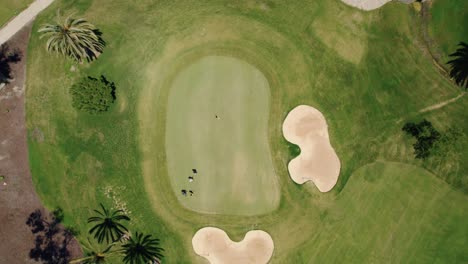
x=217, y=124
x=177, y=65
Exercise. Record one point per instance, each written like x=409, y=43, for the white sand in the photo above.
x=214, y=244
x=366, y=4
x=306, y=127
x=22, y=19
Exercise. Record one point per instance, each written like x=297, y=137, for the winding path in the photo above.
x=22, y=19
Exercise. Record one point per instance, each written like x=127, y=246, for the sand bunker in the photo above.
x=366, y=4
x=214, y=244
x=306, y=127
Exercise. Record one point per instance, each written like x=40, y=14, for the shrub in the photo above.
x=426, y=136
x=93, y=95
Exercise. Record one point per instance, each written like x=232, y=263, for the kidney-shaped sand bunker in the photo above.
x=215, y=245
x=306, y=127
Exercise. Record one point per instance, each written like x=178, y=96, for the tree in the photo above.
x=426, y=136
x=459, y=65
x=75, y=38
x=51, y=240
x=93, y=95
x=141, y=249
x=95, y=254
x=7, y=57
x=108, y=226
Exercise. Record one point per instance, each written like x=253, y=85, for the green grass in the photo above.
x=217, y=122
x=401, y=212
x=11, y=8
x=448, y=25
x=415, y=218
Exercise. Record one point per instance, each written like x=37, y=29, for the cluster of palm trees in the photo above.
x=115, y=240
x=81, y=41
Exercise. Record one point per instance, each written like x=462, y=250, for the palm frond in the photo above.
x=108, y=225
x=459, y=65
x=75, y=38
x=141, y=249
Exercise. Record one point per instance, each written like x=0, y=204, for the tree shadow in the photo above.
x=7, y=56
x=109, y=83
x=92, y=56
x=51, y=239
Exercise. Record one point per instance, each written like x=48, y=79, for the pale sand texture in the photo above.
x=306, y=127
x=214, y=244
x=366, y=4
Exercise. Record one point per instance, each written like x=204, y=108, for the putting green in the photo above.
x=217, y=123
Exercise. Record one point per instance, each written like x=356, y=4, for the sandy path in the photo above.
x=442, y=104
x=22, y=19
x=306, y=127
x=215, y=245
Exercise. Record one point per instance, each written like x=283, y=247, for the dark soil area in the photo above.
x=43, y=237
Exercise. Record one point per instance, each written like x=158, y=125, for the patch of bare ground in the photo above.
x=18, y=198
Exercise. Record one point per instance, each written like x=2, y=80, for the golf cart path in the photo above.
x=22, y=19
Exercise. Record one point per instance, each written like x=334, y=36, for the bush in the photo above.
x=426, y=136
x=93, y=95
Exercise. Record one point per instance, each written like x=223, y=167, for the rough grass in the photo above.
x=11, y=8
x=118, y=158
x=448, y=25
x=410, y=224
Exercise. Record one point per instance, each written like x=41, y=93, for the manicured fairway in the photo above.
x=217, y=123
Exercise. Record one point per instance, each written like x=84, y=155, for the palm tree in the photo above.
x=459, y=65
x=141, y=249
x=108, y=226
x=75, y=38
x=95, y=254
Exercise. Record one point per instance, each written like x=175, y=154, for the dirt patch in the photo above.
x=215, y=245
x=18, y=198
x=318, y=162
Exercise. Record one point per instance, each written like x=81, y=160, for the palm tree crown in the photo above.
x=75, y=38
x=108, y=226
x=459, y=65
x=141, y=249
